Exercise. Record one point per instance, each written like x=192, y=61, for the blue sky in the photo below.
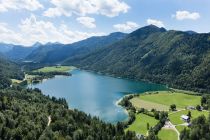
x=66, y=21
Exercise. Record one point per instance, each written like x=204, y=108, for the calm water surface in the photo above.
x=95, y=94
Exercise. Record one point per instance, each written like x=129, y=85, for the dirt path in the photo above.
x=48, y=123
x=176, y=111
x=49, y=120
x=169, y=125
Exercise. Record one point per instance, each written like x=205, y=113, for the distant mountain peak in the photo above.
x=37, y=44
x=147, y=30
x=153, y=28
x=117, y=33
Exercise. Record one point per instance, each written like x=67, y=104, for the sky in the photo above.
x=26, y=22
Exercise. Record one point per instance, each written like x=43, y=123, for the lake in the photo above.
x=95, y=94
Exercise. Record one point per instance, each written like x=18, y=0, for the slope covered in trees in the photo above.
x=28, y=114
x=9, y=70
x=57, y=53
x=16, y=52
x=179, y=59
x=19, y=52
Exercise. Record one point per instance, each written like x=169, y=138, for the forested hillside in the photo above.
x=28, y=114
x=5, y=47
x=41, y=53
x=19, y=52
x=57, y=53
x=9, y=70
x=179, y=59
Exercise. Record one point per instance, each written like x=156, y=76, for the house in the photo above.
x=185, y=118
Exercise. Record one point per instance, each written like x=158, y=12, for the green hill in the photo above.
x=28, y=114
x=57, y=53
x=9, y=70
x=178, y=59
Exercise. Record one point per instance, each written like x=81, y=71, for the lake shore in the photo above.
x=107, y=90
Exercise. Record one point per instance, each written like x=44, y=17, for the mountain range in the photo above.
x=45, y=53
x=176, y=58
x=17, y=52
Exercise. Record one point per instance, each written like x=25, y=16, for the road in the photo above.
x=169, y=125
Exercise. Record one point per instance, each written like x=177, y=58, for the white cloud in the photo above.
x=129, y=25
x=30, y=5
x=110, y=8
x=77, y=35
x=33, y=30
x=8, y=35
x=155, y=22
x=87, y=22
x=181, y=15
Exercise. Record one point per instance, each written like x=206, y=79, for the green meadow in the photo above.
x=167, y=134
x=140, y=124
x=175, y=118
x=162, y=100
x=55, y=69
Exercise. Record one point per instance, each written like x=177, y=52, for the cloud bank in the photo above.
x=109, y=8
x=33, y=30
x=182, y=15
x=31, y=5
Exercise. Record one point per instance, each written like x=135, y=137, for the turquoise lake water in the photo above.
x=95, y=94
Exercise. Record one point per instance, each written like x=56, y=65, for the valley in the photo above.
x=104, y=70
x=156, y=82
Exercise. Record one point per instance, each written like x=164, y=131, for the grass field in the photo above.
x=175, y=117
x=167, y=98
x=140, y=124
x=55, y=68
x=167, y=134
x=139, y=103
x=181, y=127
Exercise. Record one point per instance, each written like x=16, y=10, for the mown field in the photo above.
x=55, y=69
x=167, y=134
x=139, y=103
x=140, y=124
x=163, y=99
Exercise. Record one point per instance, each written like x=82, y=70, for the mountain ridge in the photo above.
x=64, y=51
x=180, y=59
x=167, y=57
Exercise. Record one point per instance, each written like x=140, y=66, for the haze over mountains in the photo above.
x=46, y=53
x=179, y=59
